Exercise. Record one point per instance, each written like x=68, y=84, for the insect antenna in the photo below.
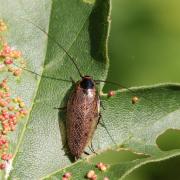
x=57, y=43
x=114, y=83
x=43, y=76
x=130, y=90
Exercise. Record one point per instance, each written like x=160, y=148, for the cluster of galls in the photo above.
x=91, y=175
x=8, y=55
x=10, y=60
x=4, y=144
x=66, y=176
x=11, y=111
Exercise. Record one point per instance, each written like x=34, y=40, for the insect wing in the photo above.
x=82, y=119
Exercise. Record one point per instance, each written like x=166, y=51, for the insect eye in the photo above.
x=87, y=84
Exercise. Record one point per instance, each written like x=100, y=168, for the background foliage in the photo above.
x=144, y=49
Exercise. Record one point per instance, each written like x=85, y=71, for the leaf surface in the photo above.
x=134, y=128
x=81, y=27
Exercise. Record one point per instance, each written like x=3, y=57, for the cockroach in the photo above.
x=83, y=113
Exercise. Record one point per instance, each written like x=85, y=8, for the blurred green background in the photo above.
x=145, y=42
x=144, y=49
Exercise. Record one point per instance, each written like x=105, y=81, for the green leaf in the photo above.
x=82, y=29
x=135, y=128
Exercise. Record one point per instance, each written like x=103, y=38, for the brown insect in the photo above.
x=83, y=113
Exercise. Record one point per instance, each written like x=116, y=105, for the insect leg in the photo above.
x=101, y=104
x=92, y=148
x=86, y=153
x=104, y=126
